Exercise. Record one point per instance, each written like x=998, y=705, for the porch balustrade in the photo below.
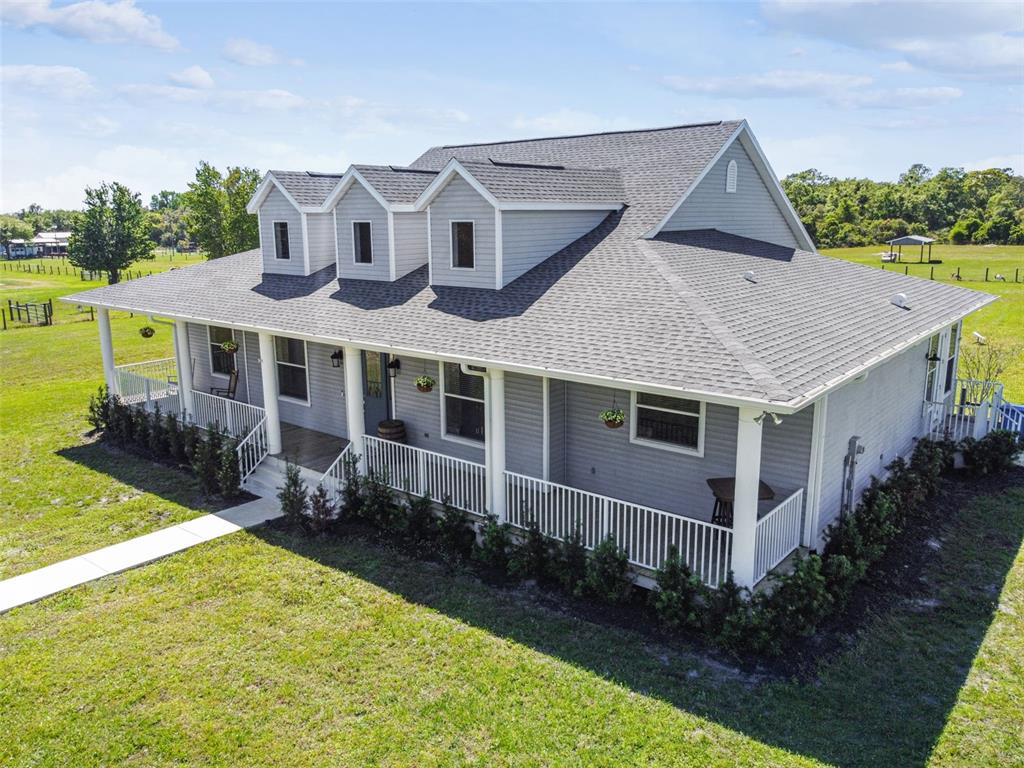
x=778, y=534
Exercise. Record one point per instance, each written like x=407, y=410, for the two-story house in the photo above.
x=540, y=283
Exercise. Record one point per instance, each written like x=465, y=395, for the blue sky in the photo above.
x=140, y=92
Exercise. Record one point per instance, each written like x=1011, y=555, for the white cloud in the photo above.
x=273, y=99
x=60, y=81
x=978, y=38
x=94, y=20
x=849, y=91
x=250, y=53
x=192, y=77
x=897, y=66
x=98, y=126
x=572, y=121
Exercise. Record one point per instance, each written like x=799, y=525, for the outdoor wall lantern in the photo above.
x=336, y=357
x=394, y=366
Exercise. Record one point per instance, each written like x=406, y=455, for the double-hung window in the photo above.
x=668, y=422
x=362, y=242
x=281, y=240
x=463, y=254
x=463, y=404
x=220, y=361
x=292, y=374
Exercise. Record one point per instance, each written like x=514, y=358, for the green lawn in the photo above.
x=1002, y=322
x=266, y=649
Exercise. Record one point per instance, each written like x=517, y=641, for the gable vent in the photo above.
x=730, y=177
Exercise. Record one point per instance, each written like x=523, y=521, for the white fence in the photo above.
x=238, y=419
x=646, y=534
x=974, y=408
x=334, y=479
x=421, y=472
x=777, y=534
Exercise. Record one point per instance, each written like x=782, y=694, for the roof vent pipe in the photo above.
x=900, y=300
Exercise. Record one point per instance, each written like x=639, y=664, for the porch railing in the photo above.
x=419, y=472
x=973, y=409
x=645, y=533
x=146, y=381
x=777, y=534
x=252, y=449
x=334, y=479
x=238, y=419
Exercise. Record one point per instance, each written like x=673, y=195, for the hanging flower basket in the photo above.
x=425, y=383
x=146, y=332
x=613, y=418
x=229, y=347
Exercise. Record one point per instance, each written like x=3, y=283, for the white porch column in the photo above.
x=183, y=358
x=355, y=415
x=495, y=460
x=107, y=349
x=268, y=375
x=744, y=510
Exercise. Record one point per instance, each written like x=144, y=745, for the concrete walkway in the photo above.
x=34, y=585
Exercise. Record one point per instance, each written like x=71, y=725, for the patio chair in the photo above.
x=229, y=390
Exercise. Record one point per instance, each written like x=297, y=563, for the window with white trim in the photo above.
x=462, y=398
x=362, y=242
x=462, y=245
x=670, y=422
x=730, y=176
x=220, y=361
x=281, y=250
x=292, y=372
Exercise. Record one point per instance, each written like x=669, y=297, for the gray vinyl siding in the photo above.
x=529, y=237
x=786, y=454
x=460, y=202
x=277, y=208
x=557, y=445
x=326, y=411
x=524, y=424
x=320, y=230
x=357, y=204
x=750, y=211
x=410, y=242
x=203, y=378
x=886, y=411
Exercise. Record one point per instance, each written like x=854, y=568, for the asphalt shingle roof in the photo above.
x=396, y=185
x=673, y=311
x=308, y=188
x=548, y=183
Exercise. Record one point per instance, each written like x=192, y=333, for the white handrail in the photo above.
x=645, y=533
x=252, y=449
x=972, y=409
x=334, y=479
x=777, y=534
x=422, y=472
x=237, y=418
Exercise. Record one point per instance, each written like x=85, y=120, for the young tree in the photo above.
x=13, y=228
x=112, y=233
x=215, y=210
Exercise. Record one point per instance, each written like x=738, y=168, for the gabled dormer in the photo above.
x=739, y=193
x=492, y=221
x=379, y=234
x=296, y=231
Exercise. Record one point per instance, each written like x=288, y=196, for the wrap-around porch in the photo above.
x=761, y=535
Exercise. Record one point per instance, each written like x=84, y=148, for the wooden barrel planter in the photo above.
x=392, y=429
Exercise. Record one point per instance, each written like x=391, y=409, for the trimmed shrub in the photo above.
x=378, y=506
x=994, y=453
x=495, y=547
x=99, y=409
x=799, y=601
x=677, y=600
x=140, y=428
x=157, y=434
x=455, y=536
x=352, y=491
x=191, y=437
x=608, y=577
x=175, y=439
x=420, y=522
x=532, y=559
x=321, y=510
x=293, y=496
x=570, y=563
x=206, y=463
x=841, y=576
x=229, y=477
x=727, y=617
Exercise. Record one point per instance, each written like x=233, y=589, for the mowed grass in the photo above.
x=266, y=649
x=1002, y=322
x=61, y=495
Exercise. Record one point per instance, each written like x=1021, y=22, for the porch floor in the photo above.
x=309, y=448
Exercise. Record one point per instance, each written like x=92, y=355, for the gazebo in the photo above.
x=920, y=240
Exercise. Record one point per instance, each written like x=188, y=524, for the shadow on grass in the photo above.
x=881, y=698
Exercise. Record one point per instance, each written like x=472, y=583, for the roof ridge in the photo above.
x=586, y=135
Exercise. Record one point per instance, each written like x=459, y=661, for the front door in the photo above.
x=375, y=389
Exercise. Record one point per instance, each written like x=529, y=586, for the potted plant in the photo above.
x=425, y=383
x=229, y=347
x=146, y=332
x=613, y=418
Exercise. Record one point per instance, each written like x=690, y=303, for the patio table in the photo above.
x=724, y=489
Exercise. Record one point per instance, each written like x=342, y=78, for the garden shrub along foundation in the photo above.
x=765, y=623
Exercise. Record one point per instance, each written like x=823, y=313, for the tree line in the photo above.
x=951, y=205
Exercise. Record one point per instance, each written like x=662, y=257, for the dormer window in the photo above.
x=730, y=177
x=281, y=240
x=463, y=256
x=362, y=242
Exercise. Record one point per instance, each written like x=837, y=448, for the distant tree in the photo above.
x=13, y=228
x=963, y=231
x=215, y=210
x=164, y=199
x=113, y=232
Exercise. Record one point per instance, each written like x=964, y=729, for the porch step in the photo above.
x=269, y=476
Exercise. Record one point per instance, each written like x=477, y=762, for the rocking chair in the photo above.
x=229, y=390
